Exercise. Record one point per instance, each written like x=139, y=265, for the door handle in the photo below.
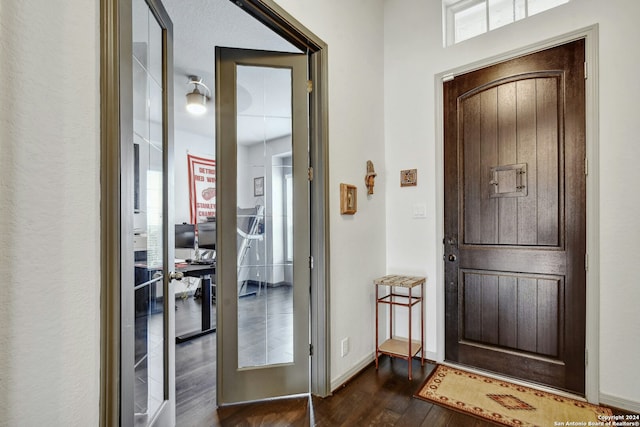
x=452, y=257
x=176, y=275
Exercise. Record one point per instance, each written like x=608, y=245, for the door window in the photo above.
x=149, y=306
x=265, y=278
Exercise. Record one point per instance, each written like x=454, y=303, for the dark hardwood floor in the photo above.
x=373, y=398
x=195, y=366
x=382, y=397
x=385, y=398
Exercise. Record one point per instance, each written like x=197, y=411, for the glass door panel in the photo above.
x=150, y=311
x=265, y=281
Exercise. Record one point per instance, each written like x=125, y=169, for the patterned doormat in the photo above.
x=506, y=403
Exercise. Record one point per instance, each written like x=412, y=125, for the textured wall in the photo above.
x=49, y=213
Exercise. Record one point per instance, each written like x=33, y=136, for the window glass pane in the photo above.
x=140, y=30
x=537, y=6
x=500, y=13
x=520, y=11
x=470, y=22
x=464, y=19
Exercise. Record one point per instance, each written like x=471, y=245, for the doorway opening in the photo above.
x=197, y=32
x=264, y=253
x=195, y=162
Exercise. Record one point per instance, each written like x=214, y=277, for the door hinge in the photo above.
x=586, y=357
x=311, y=262
x=310, y=173
x=310, y=349
x=586, y=68
x=309, y=86
x=586, y=262
x=586, y=166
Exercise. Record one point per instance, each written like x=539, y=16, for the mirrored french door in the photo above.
x=263, y=271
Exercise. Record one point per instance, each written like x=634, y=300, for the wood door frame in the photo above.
x=590, y=34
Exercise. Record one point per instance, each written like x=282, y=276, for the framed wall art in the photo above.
x=258, y=186
x=348, y=199
x=408, y=177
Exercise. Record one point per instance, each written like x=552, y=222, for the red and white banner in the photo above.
x=202, y=188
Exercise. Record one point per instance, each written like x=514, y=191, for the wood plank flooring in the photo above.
x=372, y=398
x=382, y=397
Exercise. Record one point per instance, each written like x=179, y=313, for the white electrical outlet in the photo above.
x=344, y=347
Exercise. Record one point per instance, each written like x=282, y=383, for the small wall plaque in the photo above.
x=408, y=177
x=348, y=199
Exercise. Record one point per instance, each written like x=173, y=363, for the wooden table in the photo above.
x=404, y=348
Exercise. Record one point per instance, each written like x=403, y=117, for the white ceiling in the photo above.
x=198, y=27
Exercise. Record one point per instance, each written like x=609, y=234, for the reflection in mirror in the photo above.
x=264, y=218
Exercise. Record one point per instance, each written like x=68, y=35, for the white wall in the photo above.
x=412, y=59
x=353, y=31
x=49, y=213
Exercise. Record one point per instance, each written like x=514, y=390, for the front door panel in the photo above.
x=515, y=218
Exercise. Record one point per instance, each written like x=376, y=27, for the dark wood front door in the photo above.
x=515, y=233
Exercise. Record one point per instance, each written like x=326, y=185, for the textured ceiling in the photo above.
x=198, y=27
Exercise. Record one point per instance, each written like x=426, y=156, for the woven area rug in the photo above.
x=506, y=403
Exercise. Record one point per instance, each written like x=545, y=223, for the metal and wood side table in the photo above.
x=405, y=348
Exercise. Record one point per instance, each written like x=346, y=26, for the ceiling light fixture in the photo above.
x=196, y=100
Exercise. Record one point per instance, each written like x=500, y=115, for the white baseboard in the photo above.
x=363, y=363
x=620, y=403
x=338, y=382
x=430, y=355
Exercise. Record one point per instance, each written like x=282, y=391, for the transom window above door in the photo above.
x=464, y=19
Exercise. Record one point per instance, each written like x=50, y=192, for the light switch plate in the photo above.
x=420, y=210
